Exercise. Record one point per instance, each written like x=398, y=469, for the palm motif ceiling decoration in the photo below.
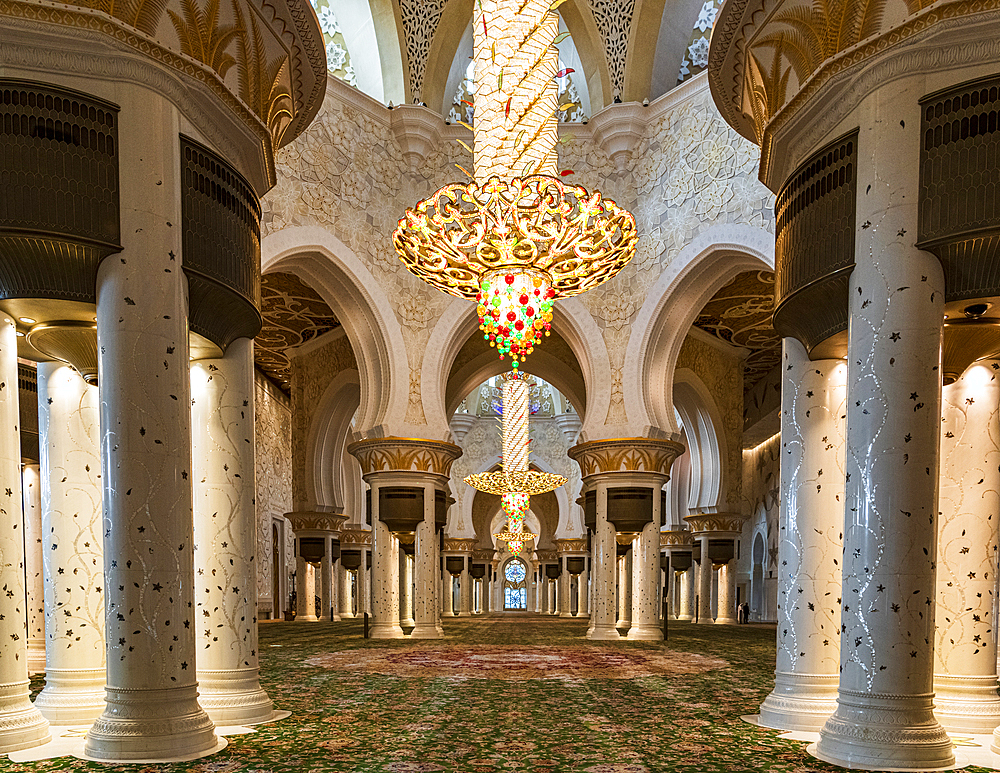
x=740, y=314
x=293, y=314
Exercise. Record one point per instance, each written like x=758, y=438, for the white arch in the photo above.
x=706, y=441
x=326, y=438
x=332, y=269
x=713, y=258
x=570, y=319
x=679, y=486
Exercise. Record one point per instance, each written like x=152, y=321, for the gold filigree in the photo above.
x=459, y=545
x=578, y=239
x=675, y=538
x=571, y=545
x=626, y=455
x=716, y=523
x=395, y=454
x=531, y=482
x=202, y=37
x=316, y=521
x=355, y=537
x=262, y=80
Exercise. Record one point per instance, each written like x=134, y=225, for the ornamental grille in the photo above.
x=959, y=202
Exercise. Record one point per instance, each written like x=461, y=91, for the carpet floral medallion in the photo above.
x=514, y=694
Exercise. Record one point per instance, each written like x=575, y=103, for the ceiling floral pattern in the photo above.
x=740, y=314
x=293, y=314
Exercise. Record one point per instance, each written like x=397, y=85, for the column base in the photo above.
x=645, y=633
x=234, y=697
x=408, y=623
x=565, y=614
x=685, y=617
x=426, y=632
x=348, y=615
x=464, y=614
x=725, y=621
x=306, y=619
x=800, y=701
x=22, y=726
x=604, y=633
x=967, y=704
x=440, y=630
x=891, y=733
x=385, y=631
x=151, y=725
x=72, y=696
x=582, y=615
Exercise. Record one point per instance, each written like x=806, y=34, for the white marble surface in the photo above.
x=810, y=526
x=31, y=493
x=645, y=578
x=226, y=556
x=965, y=668
x=884, y=718
x=73, y=546
x=604, y=609
x=21, y=724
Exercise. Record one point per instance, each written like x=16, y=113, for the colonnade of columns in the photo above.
x=623, y=504
x=408, y=481
x=179, y=583
x=820, y=637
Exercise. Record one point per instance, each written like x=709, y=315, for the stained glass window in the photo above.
x=515, y=572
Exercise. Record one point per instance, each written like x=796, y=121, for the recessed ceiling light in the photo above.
x=20, y=334
x=27, y=320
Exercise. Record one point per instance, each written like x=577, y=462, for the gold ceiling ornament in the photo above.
x=531, y=482
x=515, y=238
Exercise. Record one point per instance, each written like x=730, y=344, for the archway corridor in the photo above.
x=508, y=692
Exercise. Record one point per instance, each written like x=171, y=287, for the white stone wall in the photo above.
x=274, y=480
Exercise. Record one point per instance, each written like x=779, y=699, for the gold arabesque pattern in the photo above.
x=460, y=232
x=531, y=482
x=626, y=455
x=392, y=454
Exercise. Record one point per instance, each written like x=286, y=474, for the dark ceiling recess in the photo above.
x=740, y=314
x=294, y=314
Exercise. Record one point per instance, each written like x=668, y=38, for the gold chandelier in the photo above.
x=516, y=238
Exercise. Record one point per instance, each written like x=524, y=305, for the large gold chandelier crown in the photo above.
x=516, y=238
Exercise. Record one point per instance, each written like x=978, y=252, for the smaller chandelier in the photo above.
x=515, y=506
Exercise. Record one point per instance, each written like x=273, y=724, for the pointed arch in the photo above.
x=327, y=436
x=708, y=262
x=332, y=269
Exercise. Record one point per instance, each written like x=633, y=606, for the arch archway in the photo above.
x=711, y=260
x=708, y=482
x=757, y=578
x=326, y=463
x=360, y=304
x=576, y=362
x=277, y=603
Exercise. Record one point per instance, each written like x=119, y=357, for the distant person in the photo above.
x=746, y=612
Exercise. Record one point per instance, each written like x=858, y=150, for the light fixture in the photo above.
x=27, y=320
x=515, y=482
x=515, y=238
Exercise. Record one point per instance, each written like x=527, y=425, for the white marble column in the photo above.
x=704, y=596
x=645, y=579
x=305, y=591
x=225, y=532
x=884, y=716
x=484, y=595
x=565, y=581
x=152, y=691
x=364, y=584
x=465, y=589
x=345, y=587
x=620, y=587
x=603, y=611
x=813, y=406
x=687, y=592
x=21, y=724
x=326, y=593
x=72, y=555
x=553, y=597
x=965, y=668
x=385, y=579
x=424, y=574
x=726, y=612
x=406, y=588
x=447, y=593
x=31, y=488
x=583, y=593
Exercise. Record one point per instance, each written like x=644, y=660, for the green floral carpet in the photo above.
x=505, y=694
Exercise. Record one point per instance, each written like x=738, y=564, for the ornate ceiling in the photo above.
x=294, y=314
x=740, y=314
